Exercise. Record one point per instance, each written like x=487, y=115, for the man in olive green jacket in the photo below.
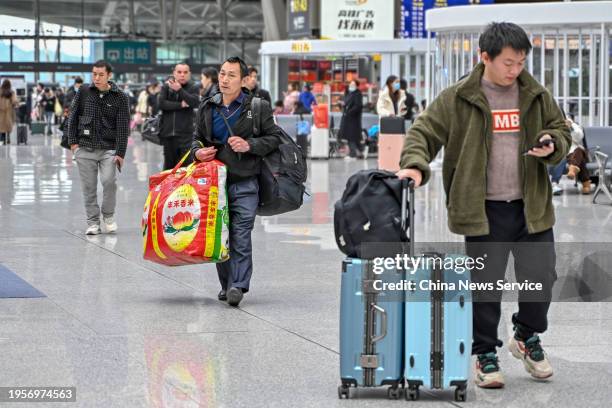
x=497, y=186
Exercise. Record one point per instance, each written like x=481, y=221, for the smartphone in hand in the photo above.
x=543, y=143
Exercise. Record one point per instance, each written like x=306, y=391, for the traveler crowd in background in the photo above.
x=49, y=105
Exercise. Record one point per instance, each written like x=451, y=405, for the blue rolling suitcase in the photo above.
x=371, y=331
x=438, y=329
x=371, y=326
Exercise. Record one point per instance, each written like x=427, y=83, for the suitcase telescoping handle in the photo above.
x=383, y=321
x=408, y=211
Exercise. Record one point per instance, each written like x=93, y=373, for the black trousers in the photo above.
x=534, y=260
x=174, y=149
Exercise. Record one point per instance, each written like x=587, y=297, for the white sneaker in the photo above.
x=93, y=230
x=349, y=158
x=110, y=225
x=556, y=189
x=531, y=353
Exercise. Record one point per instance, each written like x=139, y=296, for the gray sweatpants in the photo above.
x=90, y=162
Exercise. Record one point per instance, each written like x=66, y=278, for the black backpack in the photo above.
x=283, y=172
x=84, y=90
x=370, y=212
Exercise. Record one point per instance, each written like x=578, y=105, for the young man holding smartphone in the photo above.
x=98, y=130
x=499, y=198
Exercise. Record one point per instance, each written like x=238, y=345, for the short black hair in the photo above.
x=279, y=104
x=103, y=64
x=497, y=36
x=252, y=69
x=403, y=84
x=181, y=63
x=78, y=80
x=212, y=73
x=244, y=70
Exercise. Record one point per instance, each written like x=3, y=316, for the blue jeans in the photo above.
x=49, y=121
x=243, y=198
x=557, y=171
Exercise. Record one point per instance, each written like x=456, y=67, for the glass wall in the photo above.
x=574, y=65
x=201, y=53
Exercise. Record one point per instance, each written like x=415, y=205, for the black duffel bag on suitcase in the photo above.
x=369, y=212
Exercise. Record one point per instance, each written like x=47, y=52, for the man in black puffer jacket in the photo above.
x=224, y=132
x=177, y=100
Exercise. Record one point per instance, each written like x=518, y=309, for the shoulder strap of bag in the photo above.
x=227, y=125
x=256, y=112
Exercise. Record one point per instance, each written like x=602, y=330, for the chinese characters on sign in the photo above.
x=298, y=21
x=301, y=46
x=345, y=19
x=127, y=52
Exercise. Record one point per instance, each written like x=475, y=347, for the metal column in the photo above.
x=603, y=76
x=428, y=69
x=566, y=58
x=580, y=45
x=223, y=6
x=556, y=68
x=530, y=58
x=543, y=61
x=592, y=79
x=36, y=36
x=132, y=18
x=418, y=88
x=162, y=17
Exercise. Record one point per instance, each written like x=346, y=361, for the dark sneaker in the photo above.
x=487, y=373
x=222, y=296
x=531, y=353
x=234, y=296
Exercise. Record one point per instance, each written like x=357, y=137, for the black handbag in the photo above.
x=151, y=129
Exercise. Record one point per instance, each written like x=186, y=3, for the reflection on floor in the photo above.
x=129, y=333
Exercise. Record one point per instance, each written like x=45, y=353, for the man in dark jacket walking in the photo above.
x=252, y=84
x=98, y=130
x=177, y=101
x=225, y=132
x=497, y=188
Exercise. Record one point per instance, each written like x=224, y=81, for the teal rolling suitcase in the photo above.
x=438, y=328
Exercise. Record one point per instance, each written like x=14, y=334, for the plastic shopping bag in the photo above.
x=186, y=215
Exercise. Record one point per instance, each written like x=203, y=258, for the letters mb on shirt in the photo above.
x=506, y=121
